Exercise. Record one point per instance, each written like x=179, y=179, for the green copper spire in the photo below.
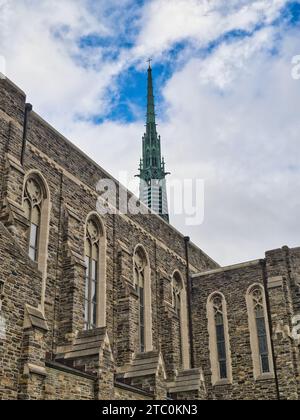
x=150, y=99
x=152, y=165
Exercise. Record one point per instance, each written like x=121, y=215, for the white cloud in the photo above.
x=202, y=21
x=244, y=143
x=232, y=116
x=40, y=43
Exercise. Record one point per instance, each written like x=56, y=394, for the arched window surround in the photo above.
x=254, y=343
x=44, y=225
x=213, y=344
x=147, y=298
x=177, y=280
x=101, y=272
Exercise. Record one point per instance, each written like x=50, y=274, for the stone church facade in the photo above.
x=121, y=306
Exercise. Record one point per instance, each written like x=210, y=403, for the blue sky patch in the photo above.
x=129, y=102
x=127, y=99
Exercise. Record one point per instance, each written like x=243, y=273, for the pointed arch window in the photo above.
x=140, y=263
x=220, y=336
x=33, y=200
x=259, y=332
x=92, y=247
x=179, y=301
x=142, y=280
x=219, y=342
x=37, y=210
x=177, y=289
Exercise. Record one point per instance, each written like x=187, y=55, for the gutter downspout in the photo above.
x=189, y=301
x=265, y=279
x=28, y=109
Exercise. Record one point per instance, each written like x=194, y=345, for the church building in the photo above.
x=123, y=306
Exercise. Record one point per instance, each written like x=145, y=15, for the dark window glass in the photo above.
x=91, y=279
x=263, y=344
x=220, y=335
x=221, y=345
x=223, y=369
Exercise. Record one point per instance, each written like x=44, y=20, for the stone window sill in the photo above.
x=265, y=376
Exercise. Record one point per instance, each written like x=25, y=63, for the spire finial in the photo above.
x=150, y=100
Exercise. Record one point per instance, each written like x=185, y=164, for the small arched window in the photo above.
x=180, y=307
x=177, y=289
x=261, y=330
x=37, y=209
x=259, y=334
x=219, y=343
x=142, y=282
x=33, y=201
x=95, y=290
x=220, y=336
x=177, y=296
x=140, y=263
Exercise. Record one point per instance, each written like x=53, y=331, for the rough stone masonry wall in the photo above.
x=71, y=177
x=21, y=283
x=170, y=333
x=11, y=115
x=124, y=394
x=67, y=386
x=282, y=266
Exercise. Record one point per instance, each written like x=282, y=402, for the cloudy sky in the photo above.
x=227, y=105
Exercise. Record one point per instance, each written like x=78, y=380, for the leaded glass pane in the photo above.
x=265, y=363
x=142, y=319
x=140, y=263
x=32, y=254
x=220, y=333
x=221, y=350
x=261, y=330
x=33, y=241
x=94, y=314
x=261, y=326
x=92, y=257
x=220, y=336
x=33, y=235
x=263, y=345
x=86, y=312
x=94, y=292
x=94, y=270
x=223, y=369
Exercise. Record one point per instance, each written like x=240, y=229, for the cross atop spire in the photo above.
x=149, y=61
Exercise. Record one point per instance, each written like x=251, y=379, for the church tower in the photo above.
x=153, y=191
